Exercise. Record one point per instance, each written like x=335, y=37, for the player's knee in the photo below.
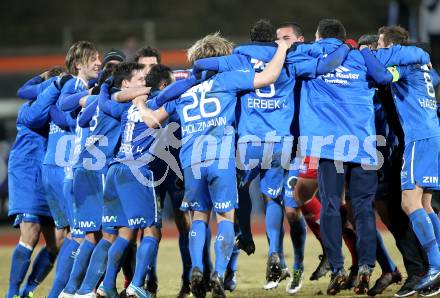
x=293, y=214
x=109, y=237
x=30, y=233
x=229, y=215
x=153, y=232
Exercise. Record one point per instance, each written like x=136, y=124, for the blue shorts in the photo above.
x=421, y=164
x=88, y=191
x=288, y=191
x=254, y=161
x=70, y=203
x=211, y=185
x=53, y=180
x=127, y=201
x=27, y=217
x=26, y=191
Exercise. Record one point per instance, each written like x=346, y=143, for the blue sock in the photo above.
x=425, y=233
x=274, y=221
x=197, y=237
x=152, y=274
x=223, y=246
x=114, y=262
x=281, y=245
x=66, y=257
x=145, y=256
x=184, y=254
x=383, y=258
x=20, y=261
x=233, y=262
x=41, y=267
x=97, y=265
x=298, y=233
x=80, y=266
x=436, y=225
x=207, y=262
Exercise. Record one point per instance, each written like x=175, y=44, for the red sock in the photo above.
x=312, y=211
x=349, y=237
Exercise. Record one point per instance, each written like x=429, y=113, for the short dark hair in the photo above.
x=124, y=71
x=263, y=31
x=56, y=71
x=369, y=40
x=159, y=74
x=394, y=34
x=297, y=29
x=331, y=28
x=147, y=51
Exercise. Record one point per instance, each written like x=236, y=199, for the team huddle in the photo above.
x=330, y=131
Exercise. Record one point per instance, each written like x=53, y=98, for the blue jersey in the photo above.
x=103, y=137
x=269, y=109
x=32, y=125
x=59, y=148
x=207, y=115
x=136, y=137
x=414, y=95
x=33, y=87
x=337, y=108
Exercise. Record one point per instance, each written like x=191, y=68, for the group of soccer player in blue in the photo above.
x=329, y=131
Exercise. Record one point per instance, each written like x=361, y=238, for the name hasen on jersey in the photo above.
x=341, y=76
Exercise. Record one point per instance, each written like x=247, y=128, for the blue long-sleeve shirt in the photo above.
x=33, y=87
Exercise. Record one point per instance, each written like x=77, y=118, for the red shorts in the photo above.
x=309, y=168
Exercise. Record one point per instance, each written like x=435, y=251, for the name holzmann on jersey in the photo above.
x=200, y=126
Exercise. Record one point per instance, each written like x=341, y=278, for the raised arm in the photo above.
x=61, y=119
x=88, y=113
x=152, y=118
x=222, y=64
x=71, y=102
x=33, y=87
x=402, y=55
x=36, y=114
x=273, y=69
x=130, y=93
x=106, y=104
x=377, y=70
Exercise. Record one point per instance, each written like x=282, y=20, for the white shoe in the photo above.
x=295, y=283
x=65, y=295
x=88, y=295
x=274, y=284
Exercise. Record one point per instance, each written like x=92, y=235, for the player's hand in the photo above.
x=45, y=75
x=284, y=44
x=364, y=46
x=139, y=101
x=203, y=75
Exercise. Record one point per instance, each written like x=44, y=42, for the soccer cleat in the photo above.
x=273, y=272
x=102, y=292
x=384, y=281
x=337, y=282
x=197, y=283
x=217, y=287
x=65, y=295
x=207, y=279
x=123, y=293
x=247, y=246
x=230, y=283
x=137, y=292
x=185, y=290
x=362, y=283
x=295, y=282
x=430, y=292
x=352, y=276
x=408, y=287
x=88, y=295
x=29, y=295
x=322, y=269
x=431, y=279
x=152, y=286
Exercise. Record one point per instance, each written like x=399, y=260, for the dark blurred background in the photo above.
x=34, y=35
